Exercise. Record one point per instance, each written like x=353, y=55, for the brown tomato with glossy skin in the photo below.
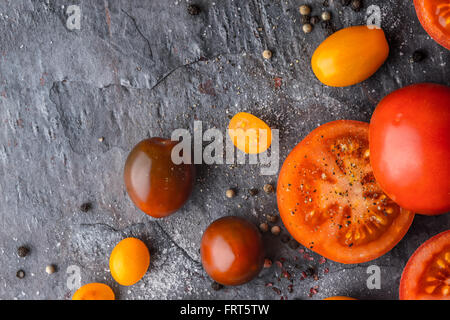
x=232, y=251
x=154, y=183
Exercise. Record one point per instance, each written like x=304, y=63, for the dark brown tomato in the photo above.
x=232, y=251
x=329, y=200
x=154, y=183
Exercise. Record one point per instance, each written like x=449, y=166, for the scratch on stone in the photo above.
x=140, y=32
x=176, y=245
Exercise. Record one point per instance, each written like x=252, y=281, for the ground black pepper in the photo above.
x=253, y=192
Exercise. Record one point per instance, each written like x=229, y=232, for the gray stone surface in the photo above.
x=144, y=68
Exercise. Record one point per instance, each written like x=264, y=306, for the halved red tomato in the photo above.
x=427, y=274
x=434, y=15
x=329, y=200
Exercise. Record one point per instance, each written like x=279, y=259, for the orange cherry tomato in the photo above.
x=434, y=15
x=410, y=147
x=129, y=261
x=349, y=56
x=329, y=200
x=339, y=298
x=154, y=183
x=94, y=291
x=232, y=251
x=249, y=133
x=427, y=274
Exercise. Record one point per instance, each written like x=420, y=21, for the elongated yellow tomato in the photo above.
x=350, y=56
x=249, y=133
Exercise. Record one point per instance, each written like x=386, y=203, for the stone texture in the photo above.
x=144, y=68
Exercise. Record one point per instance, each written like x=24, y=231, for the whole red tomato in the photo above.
x=409, y=140
x=154, y=183
x=232, y=251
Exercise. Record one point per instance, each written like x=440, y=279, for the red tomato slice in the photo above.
x=434, y=15
x=427, y=274
x=329, y=200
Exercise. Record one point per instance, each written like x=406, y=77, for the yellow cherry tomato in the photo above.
x=340, y=298
x=249, y=133
x=94, y=291
x=350, y=56
x=129, y=261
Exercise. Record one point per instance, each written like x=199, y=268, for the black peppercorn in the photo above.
x=285, y=238
x=253, y=192
x=20, y=274
x=305, y=19
x=23, y=251
x=356, y=5
x=193, y=9
x=325, y=3
x=314, y=20
x=85, y=207
x=216, y=286
x=293, y=244
x=417, y=56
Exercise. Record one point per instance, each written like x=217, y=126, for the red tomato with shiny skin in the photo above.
x=409, y=139
x=232, y=251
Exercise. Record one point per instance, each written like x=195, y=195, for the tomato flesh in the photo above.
x=329, y=200
x=434, y=15
x=427, y=274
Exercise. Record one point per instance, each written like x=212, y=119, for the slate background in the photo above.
x=143, y=68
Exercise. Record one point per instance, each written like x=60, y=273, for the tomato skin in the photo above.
x=315, y=211
x=350, y=56
x=94, y=291
x=129, y=261
x=417, y=267
x=433, y=15
x=410, y=147
x=232, y=251
x=154, y=183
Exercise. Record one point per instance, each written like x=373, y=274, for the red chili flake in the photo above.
x=269, y=284
x=278, y=82
x=322, y=260
x=279, y=264
x=295, y=258
x=326, y=270
x=282, y=260
x=286, y=274
x=304, y=275
x=290, y=288
x=313, y=290
x=301, y=251
x=277, y=291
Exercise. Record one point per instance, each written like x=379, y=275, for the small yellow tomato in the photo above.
x=94, y=291
x=350, y=56
x=249, y=133
x=129, y=261
x=340, y=298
